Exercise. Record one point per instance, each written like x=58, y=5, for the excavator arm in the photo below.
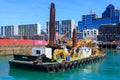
x=80, y=43
x=63, y=36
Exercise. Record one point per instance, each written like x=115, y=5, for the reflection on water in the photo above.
x=106, y=69
x=4, y=66
x=67, y=75
x=5, y=58
x=113, y=52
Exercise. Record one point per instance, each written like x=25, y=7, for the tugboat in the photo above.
x=59, y=56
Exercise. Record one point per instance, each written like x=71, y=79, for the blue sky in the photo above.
x=13, y=12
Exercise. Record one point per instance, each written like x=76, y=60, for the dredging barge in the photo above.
x=59, y=56
x=55, y=67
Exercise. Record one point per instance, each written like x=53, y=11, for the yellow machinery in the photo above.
x=63, y=52
x=95, y=48
x=70, y=42
x=86, y=42
x=80, y=43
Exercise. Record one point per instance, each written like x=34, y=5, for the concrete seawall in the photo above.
x=20, y=49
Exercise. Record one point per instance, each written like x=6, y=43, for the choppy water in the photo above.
x=106, y=69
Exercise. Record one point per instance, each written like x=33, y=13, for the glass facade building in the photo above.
x=91, y=21
x=117, y=12
x=109, y=12
x=87, y=21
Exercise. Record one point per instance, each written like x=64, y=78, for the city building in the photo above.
x=42, y=36
x=68, y=26
x=2, y=31
x=92, y=21
x=91, y=34
x=87, y=21
x=79, y=35
x=9, y=31
x=109, y=32
x=62, y=27
x=117, y=12
x=57, y=28
x=109, y=12
x=29, y=30
x=25, y=31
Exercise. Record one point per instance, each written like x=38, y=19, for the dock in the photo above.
x=109, y=45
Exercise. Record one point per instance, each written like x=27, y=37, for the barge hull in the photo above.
x=55, y=67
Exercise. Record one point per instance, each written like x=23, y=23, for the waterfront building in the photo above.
x=57, y=28
x=29, y=30
x=109, y=12
x=109, y=32
x=117, y=12
x=2, y=31
x=45, y=35
x=79, y=35
x=87, y=21
x=63, y=26
x=109, y=16
x=9, y=31
x=91, y=34
x=68, y=26
x=25, y=31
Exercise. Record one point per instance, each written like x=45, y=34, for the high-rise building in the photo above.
x=20, y=31
x=2, y=31
x=8, y=31
x=117, y=12
x=57, y=28
x=87, y=21
x=109, y=12
x=61, y=27
x=91, y=21
x=29, y=30
x=68, y=26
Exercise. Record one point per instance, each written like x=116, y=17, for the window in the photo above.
x=38, y=52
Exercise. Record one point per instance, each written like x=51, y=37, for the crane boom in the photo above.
x=63, y=36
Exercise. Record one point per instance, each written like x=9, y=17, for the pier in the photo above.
x=109, y=45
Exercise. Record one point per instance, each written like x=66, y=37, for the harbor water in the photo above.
x=106, y=69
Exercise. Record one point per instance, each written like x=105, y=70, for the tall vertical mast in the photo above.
x=74, y=38
x=52, y=25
